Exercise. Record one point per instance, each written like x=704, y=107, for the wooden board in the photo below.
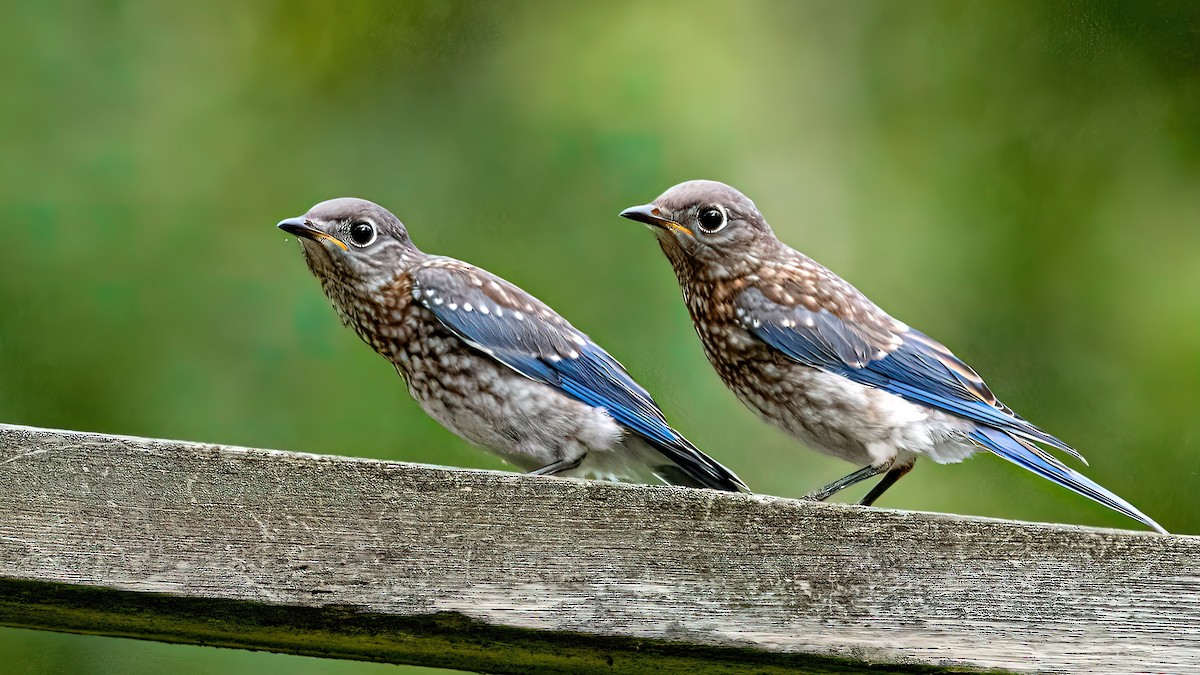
x=408, y=563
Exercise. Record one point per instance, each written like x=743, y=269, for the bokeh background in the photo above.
x=1020, y=180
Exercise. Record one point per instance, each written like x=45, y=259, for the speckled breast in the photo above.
x=817, y=408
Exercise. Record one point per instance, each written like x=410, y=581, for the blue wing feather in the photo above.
x=592, y=377
x=919, y=369
x=544, y=347
x=1027, y=457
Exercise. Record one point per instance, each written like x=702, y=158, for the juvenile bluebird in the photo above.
x=490, y=362
x=812, y=355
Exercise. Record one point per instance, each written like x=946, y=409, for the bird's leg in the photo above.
x=558, y=467
x=843, y=483
x=894, y=474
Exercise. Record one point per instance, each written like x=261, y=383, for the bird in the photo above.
x=813, y=356
x=489, y=361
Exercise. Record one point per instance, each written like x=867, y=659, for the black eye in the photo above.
x=712, y=218
x=362, y=233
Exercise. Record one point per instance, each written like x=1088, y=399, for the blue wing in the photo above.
x=523, y=333
x=886, y=355
x=879, y=352
x=1025, y=455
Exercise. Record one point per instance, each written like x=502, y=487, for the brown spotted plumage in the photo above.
x=812, y=355
x=489, y=361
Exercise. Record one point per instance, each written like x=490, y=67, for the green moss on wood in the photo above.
x=443, y=640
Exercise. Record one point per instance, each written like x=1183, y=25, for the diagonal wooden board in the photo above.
x=407, y=563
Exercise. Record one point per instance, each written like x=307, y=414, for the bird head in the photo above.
x=352, y=241
x=707, y=223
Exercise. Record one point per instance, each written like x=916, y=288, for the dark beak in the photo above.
x=302, y=227
x=653, y=215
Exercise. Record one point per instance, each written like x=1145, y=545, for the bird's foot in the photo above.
x=843, y=483
x=894, y=474
x=558, y=467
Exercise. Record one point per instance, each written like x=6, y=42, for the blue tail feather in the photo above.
x=1012, y=449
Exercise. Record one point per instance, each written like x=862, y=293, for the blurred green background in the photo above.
x=1020, y=180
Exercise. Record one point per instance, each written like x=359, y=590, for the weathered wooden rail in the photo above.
x=383, y=561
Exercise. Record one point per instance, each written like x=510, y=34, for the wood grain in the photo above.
x=408, y=563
